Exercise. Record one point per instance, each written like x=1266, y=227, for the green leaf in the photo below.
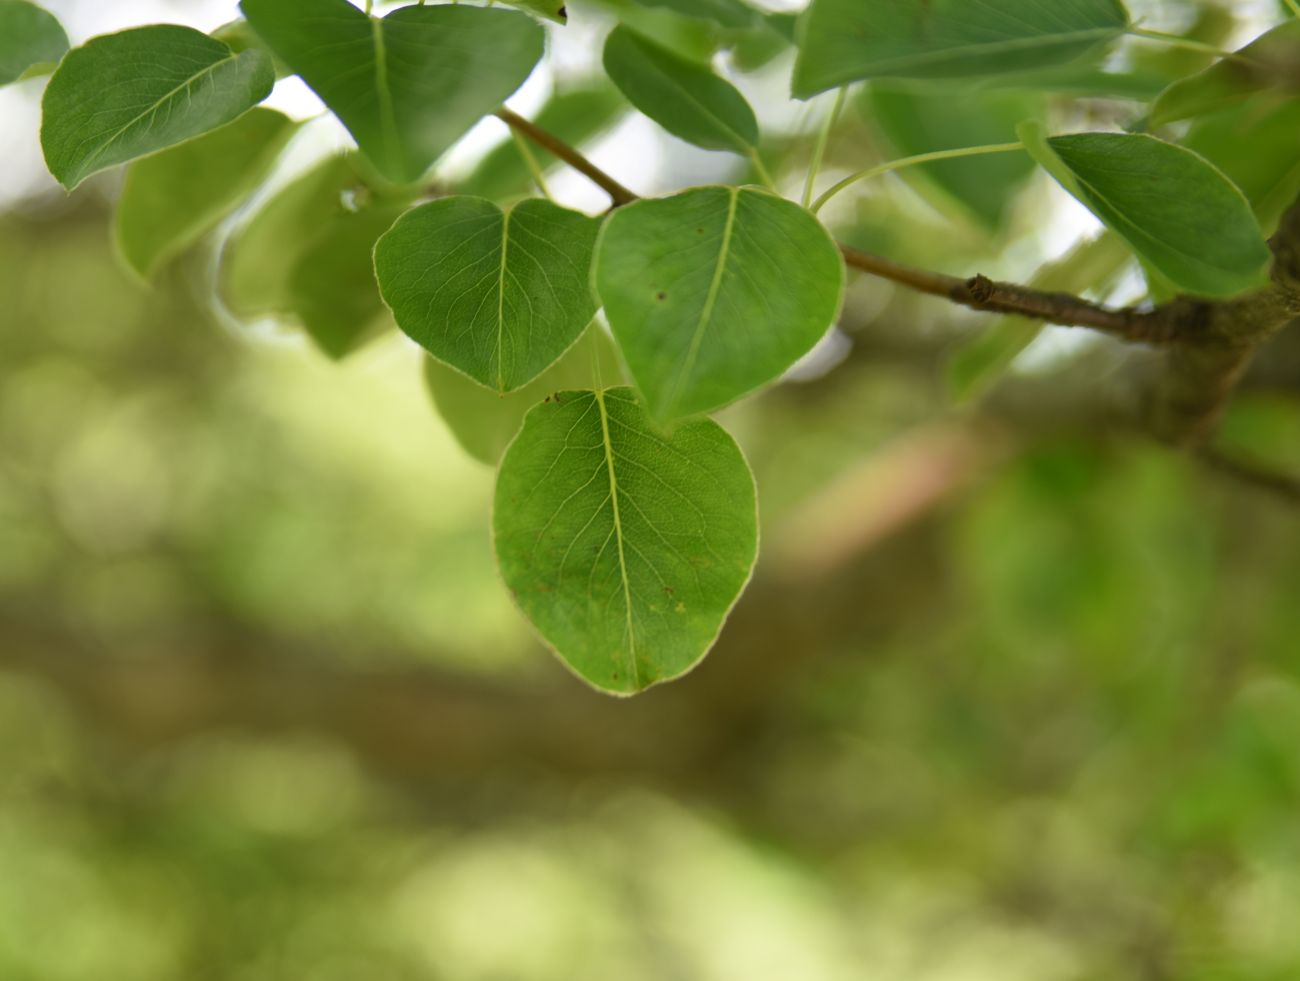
x=31, y=39
x=917, y=121
x=306, y=257
x=714, y=292
x=170, y=200
x=1180, y=215
x=499, y=295
x=484, y=422
x=725, y=13
x=332, y=285
x=1257, y=145
x=1268, y=62
x=550, y=9
x=410, y=85
x=625, y=547
x=574, y=116
x=684, y=98
x=847, y=40
x=687, y=37
x=127, y=95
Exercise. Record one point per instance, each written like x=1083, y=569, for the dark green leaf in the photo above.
x=844, y=41
x=1272, y=61
x=484, y=422
x=169, y=200
x=574, y=116
x=127, y=95
x=625, y=547
x=407, y=86
x=715, y=292
x=31, y=40
x=917, y=121
x=684, y=98
x=1181, y=216
x=497, y=295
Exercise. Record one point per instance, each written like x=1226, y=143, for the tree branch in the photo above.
x=619, y=194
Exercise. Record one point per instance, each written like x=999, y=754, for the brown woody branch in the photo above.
x=619, y=194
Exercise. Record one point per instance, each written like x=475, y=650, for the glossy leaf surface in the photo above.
x=625, y=547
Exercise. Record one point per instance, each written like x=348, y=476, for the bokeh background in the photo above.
x=1006, y=700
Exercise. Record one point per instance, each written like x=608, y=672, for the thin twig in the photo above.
x=619, y=194
x=1258, y=475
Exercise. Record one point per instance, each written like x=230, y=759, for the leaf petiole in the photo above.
x=530, y=160
x=922, y=158
x=763, y=175
x=1186, y=43
x=823, y=140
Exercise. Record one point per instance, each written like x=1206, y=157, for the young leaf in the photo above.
x=625, y=547
x=917, y=122
x=1268, y=62
x=715, y=292
x=732, y=14
x=127, y=95
x=1180, y=215
x=684, y=98
x=847, y=40
x=407, y=86
x=575, y=116
x=173, y=198
x=485, y=422
x=31, y=39
x=497, y=295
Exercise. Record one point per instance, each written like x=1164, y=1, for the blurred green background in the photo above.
x=1006, y=700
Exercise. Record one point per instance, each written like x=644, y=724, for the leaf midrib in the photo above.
x=387, y=115
x=634, y=669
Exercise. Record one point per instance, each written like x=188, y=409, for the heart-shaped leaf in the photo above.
x=499, y=295
x=407, y=86
x=484, y=422
x=1178, y=213
x=715, y=292
x=625, y=547
x=30, y=39
x=843, y=41
x=1271, y=61
x=169, y=200
x=683, y=97
x=127, y=95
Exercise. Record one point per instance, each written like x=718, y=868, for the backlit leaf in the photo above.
x=714, y=292
x=499, y=295
x=127, y=95
x=169, y=200
x=624, y=546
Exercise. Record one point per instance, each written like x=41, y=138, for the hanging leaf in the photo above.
x=684, y=98
x=916, y=122
x=171, y=199
x=31, y=40
x=497, y=295
x=101, y=109
x=1179, y=214
x=1271, y=61
x=484, y=422
x=626, y=548
x=844, y=41
x=715, y=292
x=407, y=86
